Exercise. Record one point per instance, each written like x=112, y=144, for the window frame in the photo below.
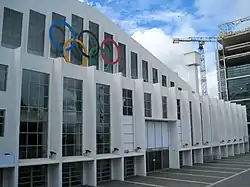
x=2, y=124
x=147, y=105
x=164, y=107
x=178, y=109
x=134, y=60
x=127, y=102
x=164, y=80
x=4, y=68
x=155, y=75
x=145, y=70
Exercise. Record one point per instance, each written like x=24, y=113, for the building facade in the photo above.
x=66, y=124
x=233, y=65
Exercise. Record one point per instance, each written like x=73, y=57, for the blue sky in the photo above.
x=153, y=23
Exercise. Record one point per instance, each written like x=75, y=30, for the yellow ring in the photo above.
x=84, y=63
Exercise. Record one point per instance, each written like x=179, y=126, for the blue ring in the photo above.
x=58, y=47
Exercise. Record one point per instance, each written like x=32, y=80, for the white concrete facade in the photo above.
x=218, y=128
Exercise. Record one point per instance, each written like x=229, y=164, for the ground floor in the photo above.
x=226, y=172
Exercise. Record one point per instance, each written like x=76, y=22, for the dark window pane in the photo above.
x=36, y=33
x=155, y=75
x=75, y=54
x=94, y=28
x=3, y=77
x=12, y=28
x=134, y=65
x=122, y=62
x=172, y=84
x=108, y=48
x=145, y=70
x=164, y=81
x=58, y=35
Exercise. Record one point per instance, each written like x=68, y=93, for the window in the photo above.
x=36, y=33
x=134, y=65
x=147, y=105
x=191, y=121
x=180, y=89
x=178, y=109
x=145, y=70
x=31, y=176
x=72, y=117
x=75, y=54
x=164, y=107
x=172, y=84
x=34, y=115
x=164, y=81
x=127, y=102
x=58, y=35
x=122, y=62
x=103, y=170
x=128, y=166
x=72, y=174
x=238, y=88
x=94, y=28
x=155, y=75
x=103, y=118
x=109, y=53
x=3, y=77
x=2, y=122
x=12, y=28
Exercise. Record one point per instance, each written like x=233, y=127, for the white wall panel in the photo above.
x=206, y=120
x=158, y=135
x=165, y=134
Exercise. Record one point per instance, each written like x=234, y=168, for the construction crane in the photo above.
x=227, y=28
x=201, y=41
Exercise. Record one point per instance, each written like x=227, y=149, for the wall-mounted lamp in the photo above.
x=197, y=143
x=137, y=149
x=240, y=139
x=87, y=151
x=52, y=154
x=126, y=151
x=115, y=150
x=6, y=154
x=222, y=141
x=235, y=140
x=186, y=144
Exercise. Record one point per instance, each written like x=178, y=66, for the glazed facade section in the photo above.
x=62, y=124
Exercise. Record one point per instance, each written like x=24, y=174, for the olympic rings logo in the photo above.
x=76, y=40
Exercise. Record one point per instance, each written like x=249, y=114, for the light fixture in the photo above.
x=87, y=151
x=115, y=150
x=52, y=154
x=126, y=151
x=137, y=149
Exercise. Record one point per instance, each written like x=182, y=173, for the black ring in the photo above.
x=92, y=34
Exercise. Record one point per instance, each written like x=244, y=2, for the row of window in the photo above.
x=12, y=36
x=72, y=173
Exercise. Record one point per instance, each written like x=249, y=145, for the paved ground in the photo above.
x=229, y=172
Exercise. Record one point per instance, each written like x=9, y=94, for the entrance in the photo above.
x=1, y=177
x=157, y=160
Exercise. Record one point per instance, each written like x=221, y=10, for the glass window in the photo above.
x=2, y=121
x=72, y=117
x=34, y=115
x=58, y=35
x=238, y=70
x=172, y=84
x=178, y=109
x=103, y=170
x=147, y=105
x=145, y=70
x=164, y=107
x=103, y=118
x=127, y=102
x=239, y=88
x=129, y=166
x=72, y=174
x=31, y=176
x=3, y=77
x=134, y=65
x=75, y=54
x=202, y=134
x=36, y=33
x=109, y=50
x=94, y=28
x=191, y=121
x=12, y=28
x=122, y=62
x=155, y=75
x=164, y=81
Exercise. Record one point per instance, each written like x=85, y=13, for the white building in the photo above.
x=62, y=124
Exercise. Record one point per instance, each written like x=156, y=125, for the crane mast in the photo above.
x=201, y=41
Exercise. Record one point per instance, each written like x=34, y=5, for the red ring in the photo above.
x=118, y=51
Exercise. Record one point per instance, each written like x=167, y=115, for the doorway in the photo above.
x=157, y=160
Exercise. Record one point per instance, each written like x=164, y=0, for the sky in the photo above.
x=153, y=23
